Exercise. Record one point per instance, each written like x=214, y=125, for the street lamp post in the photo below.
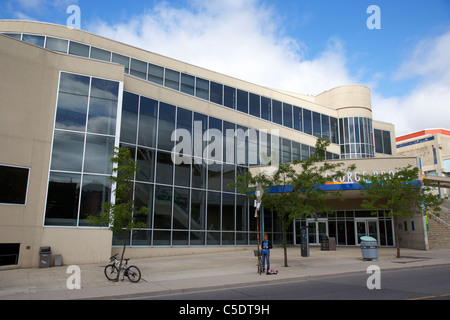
x=258, y=192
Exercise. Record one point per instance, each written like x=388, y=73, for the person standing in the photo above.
x=266, y=246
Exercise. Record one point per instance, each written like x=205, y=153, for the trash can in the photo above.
x=324, y=243
x=369, y=248
x=45, y=257
x=332, y=244
x=58, y=260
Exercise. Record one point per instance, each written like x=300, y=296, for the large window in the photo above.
x=382, y=141
x=191, y=203
x=287, y=115
x=83, y=143
x=13, y=185
x=356, y=138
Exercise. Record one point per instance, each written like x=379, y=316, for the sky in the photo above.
x=304, y=46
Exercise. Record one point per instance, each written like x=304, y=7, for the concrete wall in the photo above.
x=28, y=94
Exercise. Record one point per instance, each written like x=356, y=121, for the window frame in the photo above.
x=26, y=189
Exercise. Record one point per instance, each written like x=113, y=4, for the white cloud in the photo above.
x=428, y=104
x=243, y=39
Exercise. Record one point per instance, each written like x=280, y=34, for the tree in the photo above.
x=121, y=215
x=400, y=194
x=294, y=190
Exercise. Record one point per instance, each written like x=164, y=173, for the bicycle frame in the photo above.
x=132, y=272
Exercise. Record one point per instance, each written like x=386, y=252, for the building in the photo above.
x=69, y=97
x=433, y=147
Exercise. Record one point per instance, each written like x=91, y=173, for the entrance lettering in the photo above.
x=356, y=176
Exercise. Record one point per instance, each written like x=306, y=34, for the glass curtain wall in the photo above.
x=184, y=176
x=356, y=138
x=83, y=142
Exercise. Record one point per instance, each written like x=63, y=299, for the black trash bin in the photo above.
x=45, y=257
x=324, y=243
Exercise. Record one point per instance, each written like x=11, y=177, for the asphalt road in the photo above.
x=428, y=283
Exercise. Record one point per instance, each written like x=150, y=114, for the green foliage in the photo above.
x=400, y=194
x=121, y=216
x=293, y=191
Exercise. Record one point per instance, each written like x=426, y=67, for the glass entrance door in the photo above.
x=366, y=227
x=316, y=229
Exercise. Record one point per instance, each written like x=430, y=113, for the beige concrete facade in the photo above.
x=29, y=90
x=433, y=147
x=30, y=79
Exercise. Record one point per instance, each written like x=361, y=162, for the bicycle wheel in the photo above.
x=111, y=272
x=133, y=273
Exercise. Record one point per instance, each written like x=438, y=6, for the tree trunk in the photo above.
x=285, y=249
x=397, y=238
x=121, y=258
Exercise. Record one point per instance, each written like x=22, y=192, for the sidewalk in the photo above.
x=166, y=275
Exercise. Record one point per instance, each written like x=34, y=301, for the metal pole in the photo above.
x=257, y=228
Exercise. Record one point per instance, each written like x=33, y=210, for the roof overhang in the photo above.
x=436, y=181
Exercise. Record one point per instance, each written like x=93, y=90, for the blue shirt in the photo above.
x=265, y=244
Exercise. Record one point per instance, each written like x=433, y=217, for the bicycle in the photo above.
x=112, y=271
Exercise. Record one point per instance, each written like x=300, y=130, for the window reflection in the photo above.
x=104, y=89
x=202, y=89
x=229, y=97
x=255, y=105
x=163, y=207
x=70, y=146
x=67, y=151
x=71, y=112
x=138, y=69
x=95, y=191
x=164, y=168
x=155, y=74
x=166, y=126
x=130, y=107
x=34, y=39
x=122, y=60
x=99, y=150
x=213, y=212
x=216, y=93
x=198, y=209
x=73, y=83
x=102, y=116
x=147, y=122
x=58, y=45
x=187, y=83
x=62, y=199
x=242, y=101
x=146, y=164
x=100, y=54
x=79, y=49
x=277, y=112
x=172, y=79
x=144, y=198
x=181, y=208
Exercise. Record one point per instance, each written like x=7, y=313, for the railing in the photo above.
x=445, y=221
